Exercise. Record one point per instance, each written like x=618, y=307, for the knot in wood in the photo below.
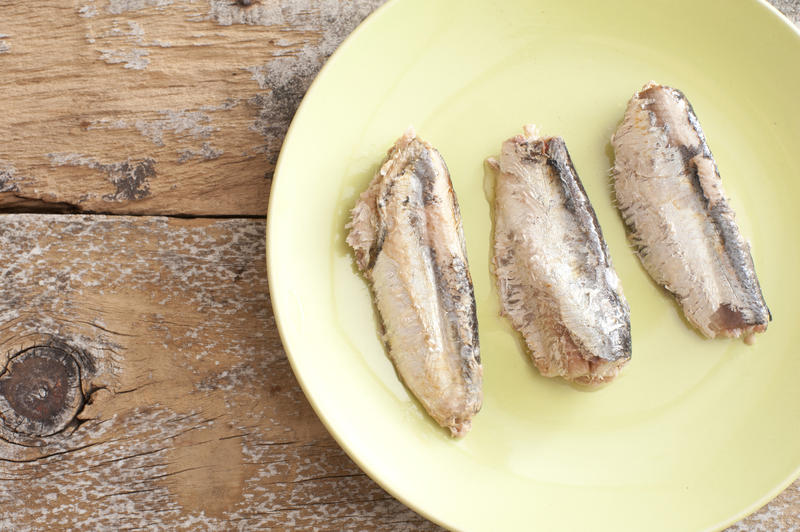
x=40, y=391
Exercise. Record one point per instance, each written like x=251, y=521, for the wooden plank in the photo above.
x=159, y=106
x=155, y=106
x=192, y=416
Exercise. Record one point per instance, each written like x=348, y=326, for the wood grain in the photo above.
x=155, y=106
x=193, y=419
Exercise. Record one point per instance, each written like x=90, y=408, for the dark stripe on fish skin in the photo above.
x=376, y=247
x=426, y=173
x=576, y=200
x=456, y=295
x=466, y=298
x=425, y=170
x=473, y=318
x=625, y=339
x=719, y=214
x=564, y=172
x=697, y=129
x=721, y=217
x=554, y=153
x=620, y=337
x=690, y=169
x=741, y=261
x=380, y=204
x=451, y=297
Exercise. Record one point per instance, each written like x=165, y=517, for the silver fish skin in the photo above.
x=554, y=274
x=670, y=195
x=408, y=241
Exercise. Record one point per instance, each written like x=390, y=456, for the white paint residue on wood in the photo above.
x=227, y=12
x=107, y=123
x=4, y=45
x=87, y=11
x=117, y=7
x=135, y=58
x=182, y=122
x=287, y=77
x=132, y=52
x=8, y=176
x=206, y=151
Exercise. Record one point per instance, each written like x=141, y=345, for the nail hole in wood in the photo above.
x=40, y=391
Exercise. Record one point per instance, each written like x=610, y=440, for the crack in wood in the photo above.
x=46, y=457
x=92, y=324
x=17, y=203
x=175, y=473
x=129, y=492
x=123, y=459
x=134, y=389
x=199, y=426
x=235, y=436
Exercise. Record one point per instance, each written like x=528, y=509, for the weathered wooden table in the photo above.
x=143, y=382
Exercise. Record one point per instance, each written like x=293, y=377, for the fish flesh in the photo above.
x=406, y=233
x=554, y=274
x=670, y=195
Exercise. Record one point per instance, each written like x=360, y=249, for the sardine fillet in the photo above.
x=554, y=273
x=670, y=194
x=408, y=241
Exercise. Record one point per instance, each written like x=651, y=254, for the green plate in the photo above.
x=695, y=433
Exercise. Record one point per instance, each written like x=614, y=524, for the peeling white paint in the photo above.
x=206, y=152
x=8, y=176
x=227, y=12
x=132, y=51
x=135, y=58
x=134, y=31
x=193, y=123
x=286, y=78
x=259, y=74
x=182, y=123
x=87, y=11
x=107, y=123
x=4, y=46
x=117, y=7
x=130, y=35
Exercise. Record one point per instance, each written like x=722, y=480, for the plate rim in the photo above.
x=271, y=224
